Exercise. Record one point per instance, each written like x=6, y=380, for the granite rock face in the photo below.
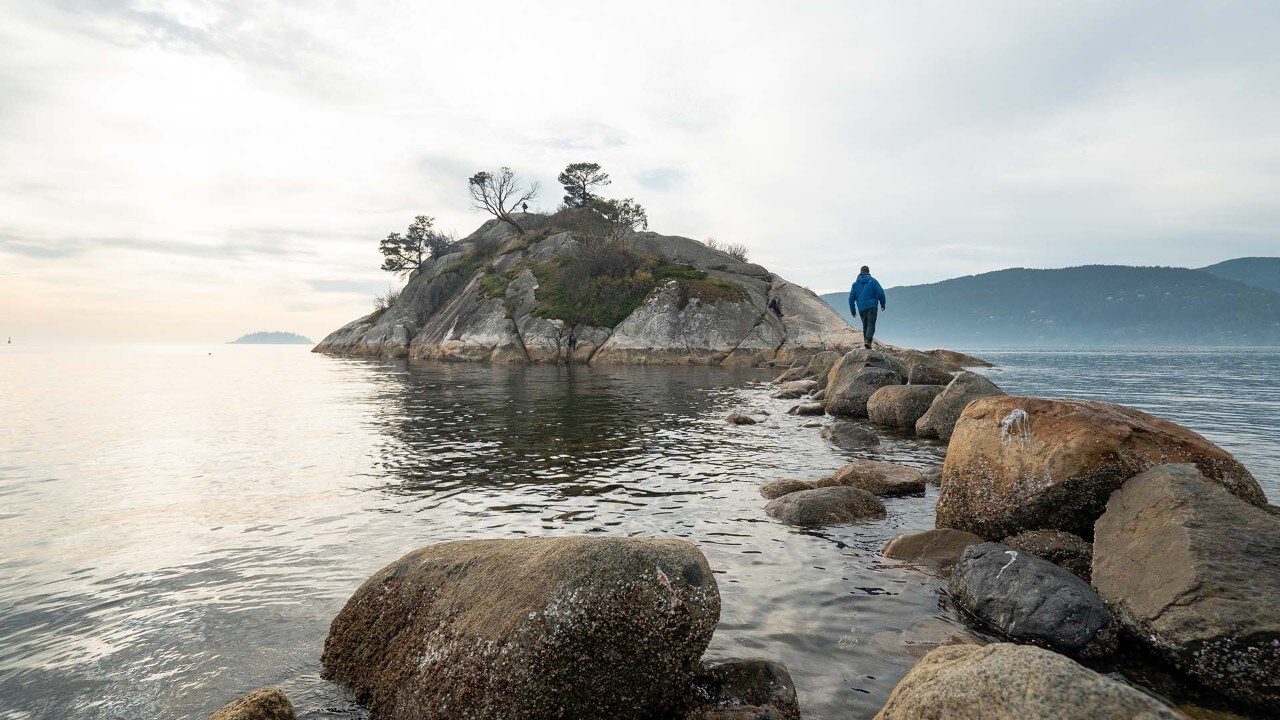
x=531, y=628
x=481, y=304
x=900, y=406
x=825, y=506
x=940, y=418
x=1018, y=463
x=1027, y=598
x=1194, y=572
x=1006, y=681
x=257, y=705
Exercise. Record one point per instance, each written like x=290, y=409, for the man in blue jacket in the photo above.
x=865, y=294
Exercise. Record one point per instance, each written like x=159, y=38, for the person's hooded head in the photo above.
x=865, y=270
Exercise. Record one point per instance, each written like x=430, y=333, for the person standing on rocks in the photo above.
x=864, y=296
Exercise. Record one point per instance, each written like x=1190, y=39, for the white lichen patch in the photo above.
x=1016, y=427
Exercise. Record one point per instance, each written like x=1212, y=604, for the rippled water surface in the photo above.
x=180, y=524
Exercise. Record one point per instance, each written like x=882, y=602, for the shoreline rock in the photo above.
x=267, y=704
x=825, y=506
x=883, y=479
x=942, y=547
x=940, y=419
x=900, y=406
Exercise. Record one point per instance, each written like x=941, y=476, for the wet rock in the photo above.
x=924, y=369
x=744, y=688
x=820, y=365
x=941, y=547
x=794, y=389
x=814, y=424
x=933, y=475
x=1194, y=572
x=1017, y=463
x=1029, y=599
x=849, y=395
x=258, y=705
x=940, y=418
x=1069, y=552
x=901, y=405
x=530, y=628
x=1002, y=680
x=958, y=359
x=884, y=479
x=809, y=408
x=788, y=375
x=820, y=397
x=778, y=488
x=850, y=436
x=740, y=419
x=825, y=506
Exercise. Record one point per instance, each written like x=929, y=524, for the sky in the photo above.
x=189, y=171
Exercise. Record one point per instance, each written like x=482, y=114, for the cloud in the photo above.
x=660, y=179
x=366, y=288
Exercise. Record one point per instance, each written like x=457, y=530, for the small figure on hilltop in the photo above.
x=865, y=294
x=776, y=306
x=524, y=206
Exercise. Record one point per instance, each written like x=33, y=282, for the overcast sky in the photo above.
x=191, y=171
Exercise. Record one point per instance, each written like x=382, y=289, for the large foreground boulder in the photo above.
x=1027, y=598
x=941, y=547
x=530, y=628
x=901, y=406
x=1013, y=682
x=884, y=479
x=258, y=705
x=940, y=419
x=1019, y=463
x=1194, y=572
x=849, y=395
x=825, y=506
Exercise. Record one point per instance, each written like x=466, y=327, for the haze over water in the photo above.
x=180, y=524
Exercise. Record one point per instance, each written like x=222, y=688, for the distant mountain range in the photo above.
x=1236, y=302
x=271, y=338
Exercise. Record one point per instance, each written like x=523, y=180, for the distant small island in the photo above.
x=271, y=338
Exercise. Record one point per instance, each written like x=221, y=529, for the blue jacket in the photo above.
x=864, y=294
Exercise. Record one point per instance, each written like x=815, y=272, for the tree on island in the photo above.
x=500, y=194
x=406, y=253
x=578, y=180
x=623, y=217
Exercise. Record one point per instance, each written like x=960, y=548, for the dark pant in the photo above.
x=868, y=323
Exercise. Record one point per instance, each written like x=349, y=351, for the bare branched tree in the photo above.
x=500, y=194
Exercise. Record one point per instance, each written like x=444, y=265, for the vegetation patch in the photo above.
x=492, y=286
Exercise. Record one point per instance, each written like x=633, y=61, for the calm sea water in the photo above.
x=180, y=524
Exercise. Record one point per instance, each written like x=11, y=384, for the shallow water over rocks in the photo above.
x=180, y=527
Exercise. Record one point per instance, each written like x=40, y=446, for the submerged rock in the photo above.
x=1194, y=572
x=901, y=406
x=941, y=547
x=1022, y=682
x=1027, y=598
x=825, y=506
x=850, y=436
x=1017, y=463
x=736, y=689
x=258, y=705
x=531, y=628
x=885, y=479
x=740, y=419
x=1069, y=552
x=778, y=488
x=940, y=418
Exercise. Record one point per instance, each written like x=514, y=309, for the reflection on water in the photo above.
x=179, y=527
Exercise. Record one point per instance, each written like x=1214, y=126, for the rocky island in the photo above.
x=552, y=295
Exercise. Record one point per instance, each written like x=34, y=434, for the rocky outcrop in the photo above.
x=884, y=479
x=850, y=436
x=825, y=506
x=257, y=705
x=900, y=406
x=530, y=628
x=1017, y=463
x=970, y=682
x=742, y=689
x=940, y=419
x=1029, y=599
x=482, y=303
x=1069, y=552
x=1194, y=572
x=941, y=547
x=847, y=394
